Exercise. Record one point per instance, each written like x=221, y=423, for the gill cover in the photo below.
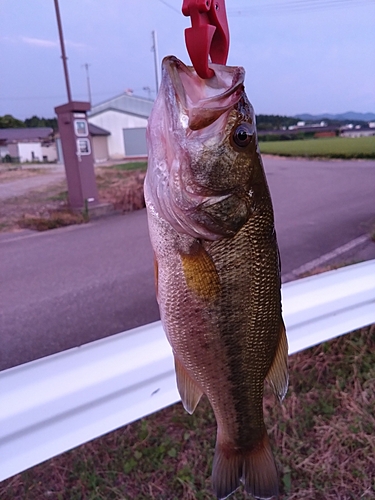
x=189, y=129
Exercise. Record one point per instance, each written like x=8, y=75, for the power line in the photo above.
x=296, y=3
x=170, y=6
x=293, y=5
x=61, y=96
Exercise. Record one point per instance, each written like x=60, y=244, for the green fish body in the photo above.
x=217, y=264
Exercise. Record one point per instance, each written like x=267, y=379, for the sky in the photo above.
x=300, y=56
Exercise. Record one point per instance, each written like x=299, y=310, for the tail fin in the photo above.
x=255, y=468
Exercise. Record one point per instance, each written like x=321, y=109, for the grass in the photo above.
x=131, y=165
x=47, y=207
x=332, y=147
x=122, y=185
x=9, y=174
x=323, y=437
x=61, y=196
x=54, y=219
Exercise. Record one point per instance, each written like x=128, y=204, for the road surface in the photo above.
x=69, y=286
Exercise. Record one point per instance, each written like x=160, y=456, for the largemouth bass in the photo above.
x=217, y=264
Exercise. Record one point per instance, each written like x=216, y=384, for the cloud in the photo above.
x=39, y=42
x=6, y=39
x=76, y=45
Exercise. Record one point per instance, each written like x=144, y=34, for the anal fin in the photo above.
x=278, y=373
x=189, y=391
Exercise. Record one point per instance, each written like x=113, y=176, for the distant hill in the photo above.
x=349, y=115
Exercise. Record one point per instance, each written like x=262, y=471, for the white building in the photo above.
x=28, y=144
x=125, y=118
x=358, y=131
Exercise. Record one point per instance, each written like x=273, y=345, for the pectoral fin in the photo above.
x=278, y=373
x=200, y=272
x=189, y=391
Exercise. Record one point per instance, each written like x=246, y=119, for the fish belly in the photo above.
x=220, y=307
x=227, y=338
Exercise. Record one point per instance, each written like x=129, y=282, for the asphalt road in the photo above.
x=319, y=205
x=69, y=286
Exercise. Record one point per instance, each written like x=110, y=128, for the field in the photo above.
x=331, y=147
x=323, y=437
x=47, y=208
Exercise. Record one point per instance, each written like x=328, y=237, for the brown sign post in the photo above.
x=76, y=142
x=78, y=157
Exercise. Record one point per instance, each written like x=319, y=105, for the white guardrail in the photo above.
x=53, y=404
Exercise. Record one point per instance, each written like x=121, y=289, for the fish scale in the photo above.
x=218, y=278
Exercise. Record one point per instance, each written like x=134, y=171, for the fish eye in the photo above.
x=243, y=134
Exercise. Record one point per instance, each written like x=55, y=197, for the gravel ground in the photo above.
x=40, y=192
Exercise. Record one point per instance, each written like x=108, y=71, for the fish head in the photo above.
x=203, y=152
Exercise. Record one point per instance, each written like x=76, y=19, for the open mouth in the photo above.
x=204, y=101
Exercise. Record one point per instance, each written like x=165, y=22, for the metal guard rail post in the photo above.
x=54, y=404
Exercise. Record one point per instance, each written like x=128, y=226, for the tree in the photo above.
x=8, y=121
x=275, y=122
x=35, y=121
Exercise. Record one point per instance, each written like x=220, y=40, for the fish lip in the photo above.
x=226, y=87
x=171, y=67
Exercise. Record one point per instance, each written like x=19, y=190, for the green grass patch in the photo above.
x=131, y=165
x=322, y=435
x=62, y=196
x=330, y=147
x=53, y=220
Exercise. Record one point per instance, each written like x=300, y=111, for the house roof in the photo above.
x=130, y=104
x=25, y=134
x=95, y=130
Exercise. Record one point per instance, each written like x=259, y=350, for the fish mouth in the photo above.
x=201, y=102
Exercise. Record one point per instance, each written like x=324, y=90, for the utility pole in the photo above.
x=156, y=59
x=63, y=54
x=76, y=143
x=86, y=66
